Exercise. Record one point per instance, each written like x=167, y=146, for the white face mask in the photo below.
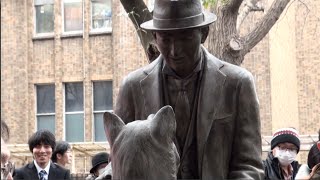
x=101, y=171
x=285, y=157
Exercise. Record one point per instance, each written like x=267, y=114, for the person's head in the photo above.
x=285, y=145
x=179, y=28
x=99, y=162
x=314, y=155
x=41, y=145
x=62, y=154
x=7, y=167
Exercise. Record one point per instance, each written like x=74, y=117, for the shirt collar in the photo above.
x=39, y=168
x=290, y=172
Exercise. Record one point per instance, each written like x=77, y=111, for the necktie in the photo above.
x=42, y=173
x=182, y=111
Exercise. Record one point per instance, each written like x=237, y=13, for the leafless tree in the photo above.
x=224, y=40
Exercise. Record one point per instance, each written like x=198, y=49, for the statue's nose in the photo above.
x=174, y=48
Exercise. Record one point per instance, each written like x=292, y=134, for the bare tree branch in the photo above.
x=139, y=13
x=234, y=5
x=264, y=26
x=249, y=6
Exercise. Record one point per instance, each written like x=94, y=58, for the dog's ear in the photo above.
x=112, y=126
x=163, y=125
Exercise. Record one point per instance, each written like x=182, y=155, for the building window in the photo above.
x=72, y=16
x=101, y=12
x=74, y=114
x=44, y=16
x=45, y=107
x=102, y=101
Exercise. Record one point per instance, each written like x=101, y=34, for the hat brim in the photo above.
x=94, y=167
x=209, y=19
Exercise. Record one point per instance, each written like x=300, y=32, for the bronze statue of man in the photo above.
x=215, y=103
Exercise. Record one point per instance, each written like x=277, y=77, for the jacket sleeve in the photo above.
x=19, y=174
x=124, y=105
x=246, y=148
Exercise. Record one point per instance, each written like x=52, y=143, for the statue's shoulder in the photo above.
x=144, y=71
x=228, y=69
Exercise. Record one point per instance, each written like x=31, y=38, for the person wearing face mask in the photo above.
x=281, y=163
x=99, y=162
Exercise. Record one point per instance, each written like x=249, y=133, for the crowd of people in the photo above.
x=281, y=161
x=51, y=158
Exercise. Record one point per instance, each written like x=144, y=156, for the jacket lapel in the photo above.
x=33, y=171
x=211, y=86
x=52, y=171
x=151, y=87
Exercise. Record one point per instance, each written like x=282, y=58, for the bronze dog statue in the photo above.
x=143, y=149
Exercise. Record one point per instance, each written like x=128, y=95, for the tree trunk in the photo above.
x=220, y=34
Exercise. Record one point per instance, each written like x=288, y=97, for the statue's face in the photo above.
x=180, y=49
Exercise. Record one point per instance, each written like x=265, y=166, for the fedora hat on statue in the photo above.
x=178, y=14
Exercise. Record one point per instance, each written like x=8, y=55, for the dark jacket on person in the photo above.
x=272, y=168
x=29, y=172
x=228, y=133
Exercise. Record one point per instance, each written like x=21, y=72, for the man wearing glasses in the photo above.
x=7, y=167
x=280, y=163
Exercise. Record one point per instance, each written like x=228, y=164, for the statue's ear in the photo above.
x=163, y=124
x=112, y=126
x=204, y=32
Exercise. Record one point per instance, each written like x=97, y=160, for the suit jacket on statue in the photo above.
x=228, y=124
x=29, y=172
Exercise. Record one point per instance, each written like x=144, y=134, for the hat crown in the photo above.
x=281, y=131
x=178, y=14
x=176, y=9
x=98, y=159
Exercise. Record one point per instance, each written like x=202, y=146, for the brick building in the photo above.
x=59, y=57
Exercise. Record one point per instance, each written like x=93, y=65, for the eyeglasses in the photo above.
x=6, y=169
x=288, y=148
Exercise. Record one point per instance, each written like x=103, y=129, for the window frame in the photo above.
x=99, y=111
x=36, y=106
x=46, y=34
x=63, y=17
x=72, y=112
x=99, y=30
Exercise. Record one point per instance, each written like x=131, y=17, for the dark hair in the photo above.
x=313, y=156
x=4, y=131
x=61, y=148
x=319, y=135
x=42, y=136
